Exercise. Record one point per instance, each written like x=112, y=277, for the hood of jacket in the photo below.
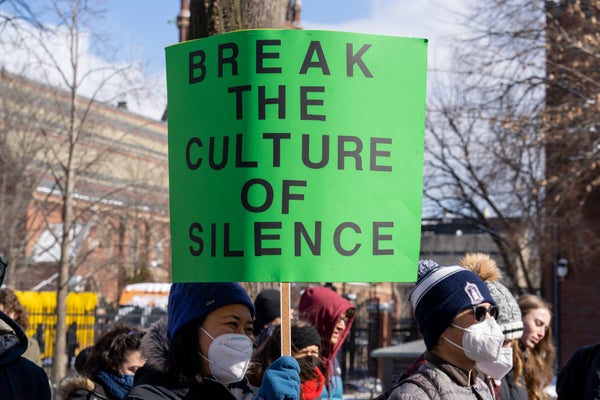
x=155, y=347
x=13, y=341
x=323, y=307
x=80, y=387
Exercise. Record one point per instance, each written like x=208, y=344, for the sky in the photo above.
x=151, y=28
x=424, y=18
x=139, y=31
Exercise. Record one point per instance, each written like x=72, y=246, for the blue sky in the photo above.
x=148, y=27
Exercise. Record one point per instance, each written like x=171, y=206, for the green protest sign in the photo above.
x=296, y=156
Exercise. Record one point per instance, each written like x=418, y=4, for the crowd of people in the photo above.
x=481, y=342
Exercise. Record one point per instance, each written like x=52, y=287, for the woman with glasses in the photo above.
x=332, y=315
x=109, y=367
x=456, y=315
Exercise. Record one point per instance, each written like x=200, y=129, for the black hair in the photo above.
x=184, y=358
x=111, y=349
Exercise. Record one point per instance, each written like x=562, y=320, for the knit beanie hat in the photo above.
x=267, y=306
x=440, y=294
x=192, y=301
x=304, y=336
x=510, y=319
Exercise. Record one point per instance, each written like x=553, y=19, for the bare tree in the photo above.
x=17, y=10
x=485, y=156
x=79, y=146
x=492, y=143
x=19, y=175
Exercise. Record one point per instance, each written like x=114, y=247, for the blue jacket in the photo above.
x=335, y=389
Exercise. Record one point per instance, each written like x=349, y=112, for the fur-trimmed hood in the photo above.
x=156, y=347
x=79, y=387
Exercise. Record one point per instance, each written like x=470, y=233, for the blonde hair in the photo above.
x=536, y=364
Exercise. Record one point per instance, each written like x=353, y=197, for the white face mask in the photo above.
x=481, y=341
x=228, y=356
x=500, y=366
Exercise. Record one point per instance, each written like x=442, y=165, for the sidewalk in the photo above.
x=362, y=389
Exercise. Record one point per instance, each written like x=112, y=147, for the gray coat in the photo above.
x=439, y=380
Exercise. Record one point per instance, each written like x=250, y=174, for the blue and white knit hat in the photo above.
x=440, y=294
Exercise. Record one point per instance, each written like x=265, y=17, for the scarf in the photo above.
x=116, y=386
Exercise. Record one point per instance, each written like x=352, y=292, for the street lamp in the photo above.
x=562, y=268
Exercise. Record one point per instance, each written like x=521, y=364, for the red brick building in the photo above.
x=572, y=168
x=121, y=231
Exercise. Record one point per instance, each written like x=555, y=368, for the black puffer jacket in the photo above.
x=153, y=381
x=19, y=377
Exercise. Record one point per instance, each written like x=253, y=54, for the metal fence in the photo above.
x=367, y=335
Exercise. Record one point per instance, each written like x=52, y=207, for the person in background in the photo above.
x=203, y=349
x=580, y=378
x=20, y=378
x=108, y=367
x=40, y=336
x=72, y=344
x=536, y=346
x=267, y=306
x=11, y=306
x=306, y=345
x=508, y=386
x=455, y=313
x=333, y=316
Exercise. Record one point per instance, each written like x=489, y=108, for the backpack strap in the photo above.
x=411, y=379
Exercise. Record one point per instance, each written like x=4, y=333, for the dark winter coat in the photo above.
x=19, y=377
x=580, y=378
x=510, y=390
x=153, y=381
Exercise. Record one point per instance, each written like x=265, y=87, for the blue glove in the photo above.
x=281, y=380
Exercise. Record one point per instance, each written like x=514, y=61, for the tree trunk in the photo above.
x=211, y=17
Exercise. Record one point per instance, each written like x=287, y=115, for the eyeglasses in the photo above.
x=480, y=311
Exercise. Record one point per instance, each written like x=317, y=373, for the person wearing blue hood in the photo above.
x=20, y=378
x=203, y=349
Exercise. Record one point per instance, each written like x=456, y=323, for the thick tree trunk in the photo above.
x=211, y=17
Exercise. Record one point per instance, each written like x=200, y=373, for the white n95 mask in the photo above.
x=481, y=341
x=498, y=368
x=228, y=356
